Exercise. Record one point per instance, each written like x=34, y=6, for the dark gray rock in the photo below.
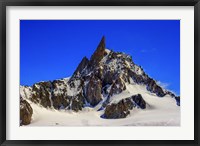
x=177, y=100
x=139, y=101
x=50, y=94
x=99, y=53
x=93, y=91
x=117, y=87
x=116, y=111
x=78, y=102
x=123, y=107
x=42, y=93
x=26, y=112
x=108, y=77
x=59, y=96
x=83, y=65
x=170, y=93
x=136, y=78
x=153, y=87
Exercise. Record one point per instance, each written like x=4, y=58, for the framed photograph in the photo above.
x=99, y=72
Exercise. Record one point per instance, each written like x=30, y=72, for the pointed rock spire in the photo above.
x=99, y=52
x=83, y=64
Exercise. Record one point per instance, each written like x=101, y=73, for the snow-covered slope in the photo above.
x=159, y=112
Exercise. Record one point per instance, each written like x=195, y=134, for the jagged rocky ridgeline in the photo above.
x=94, y=82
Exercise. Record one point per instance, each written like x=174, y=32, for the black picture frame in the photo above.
x=5, y=3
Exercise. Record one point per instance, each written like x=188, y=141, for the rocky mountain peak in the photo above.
x=96, y=81
x=99, y=53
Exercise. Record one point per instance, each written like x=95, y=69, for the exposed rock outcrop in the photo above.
x=117, y=87
x=139, y=101
x=77, y=102
x=99, y=53
x=83, y=65
x=108, y=78
x=26, y=112
x=116, y=111
x=93, y=91
x=42, y=93
x=153, y=87
x=59, y=96
x=123, y=107
x=139, y=79
x=177, y=100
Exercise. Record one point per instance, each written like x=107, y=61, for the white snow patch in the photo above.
x=25, y=92
x=74, y=90
x=107, y=51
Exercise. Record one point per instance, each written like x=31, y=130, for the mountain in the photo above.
x=109, y=83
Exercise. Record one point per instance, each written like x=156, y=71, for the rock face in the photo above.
x=139, y=101
x=123, y=107
x=118, y=86
x=83, y=65
x=153, y=87
x=77, y=102
x=26, y=112
x=42, y=93
x=99, y=53
x=177, y=100
x=93, y=91
x=59, y=95
x=95, y=81
x=116, y=111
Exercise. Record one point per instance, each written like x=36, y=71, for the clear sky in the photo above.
x=52, y=49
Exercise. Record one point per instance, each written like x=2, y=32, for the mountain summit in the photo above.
x=110, y=82
x=99, y=53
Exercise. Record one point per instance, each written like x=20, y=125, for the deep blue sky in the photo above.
x=52, y=49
